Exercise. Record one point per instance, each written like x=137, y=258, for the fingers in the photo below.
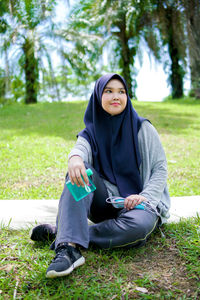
x=77, y=178
x=133, y=200
x=84, y=174
x=81, y=177
x=77, y=172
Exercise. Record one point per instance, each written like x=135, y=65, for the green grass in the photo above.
x=166, y=268
x=35, y=141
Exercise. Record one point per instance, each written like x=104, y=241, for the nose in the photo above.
x=116, y=95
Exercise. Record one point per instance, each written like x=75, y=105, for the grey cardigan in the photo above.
x=153, y=168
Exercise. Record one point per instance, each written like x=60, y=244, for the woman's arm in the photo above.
x=76, y=168
x=153, y=168
x=83, y=149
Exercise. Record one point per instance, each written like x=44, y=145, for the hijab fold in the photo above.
x=114, y=140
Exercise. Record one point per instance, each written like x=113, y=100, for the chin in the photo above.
x=115, y=113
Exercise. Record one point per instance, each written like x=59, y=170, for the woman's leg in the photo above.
x=72, y=222
x=100, y=210
x=72, y=227
x=130, y=228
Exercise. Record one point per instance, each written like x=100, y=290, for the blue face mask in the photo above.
x=118, y=202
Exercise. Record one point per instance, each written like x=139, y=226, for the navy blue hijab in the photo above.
x=114, y=140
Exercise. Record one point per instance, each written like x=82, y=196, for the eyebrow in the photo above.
x=107, y=87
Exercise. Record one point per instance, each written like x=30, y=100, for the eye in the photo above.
x=122, y=92
x=107, y=91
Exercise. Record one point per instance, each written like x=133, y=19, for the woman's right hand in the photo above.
x=76, y=168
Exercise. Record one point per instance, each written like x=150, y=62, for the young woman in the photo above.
x=127, y=159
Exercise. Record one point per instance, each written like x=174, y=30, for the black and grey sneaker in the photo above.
x=66, y=260
x=43, y=232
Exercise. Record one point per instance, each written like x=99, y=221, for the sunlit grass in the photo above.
x=35, y=141
x=165, y=268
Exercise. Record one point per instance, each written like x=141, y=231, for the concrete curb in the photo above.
x=19, y=214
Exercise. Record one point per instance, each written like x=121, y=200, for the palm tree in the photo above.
x=168, y=18
x=121, y=23
x=81, y=45
x=126, y=23
x=24, y=37
x=119, y=26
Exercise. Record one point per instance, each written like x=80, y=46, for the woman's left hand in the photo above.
x=131, y=201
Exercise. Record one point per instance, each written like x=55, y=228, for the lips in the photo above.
x=115, y=104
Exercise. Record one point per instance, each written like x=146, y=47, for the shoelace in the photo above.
x=61, y=252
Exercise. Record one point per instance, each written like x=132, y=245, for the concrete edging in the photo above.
x=26, y=213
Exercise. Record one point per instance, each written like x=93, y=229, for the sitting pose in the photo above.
x=127, y=159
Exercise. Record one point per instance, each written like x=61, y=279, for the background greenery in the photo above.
x=36, y=140
x=51, y=50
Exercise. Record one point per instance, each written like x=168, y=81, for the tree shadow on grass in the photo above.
x=65, y=120
x=171, y=120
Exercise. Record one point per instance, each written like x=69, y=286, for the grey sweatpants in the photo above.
x=122, y=228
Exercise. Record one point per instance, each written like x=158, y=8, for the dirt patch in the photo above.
x=167, y=271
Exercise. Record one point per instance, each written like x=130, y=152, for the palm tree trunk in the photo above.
x=195, y=79
x=126, y=59
x=7, y=72
x=31, y=72
x=125, y=65
x=192, y=11
x=177, y=72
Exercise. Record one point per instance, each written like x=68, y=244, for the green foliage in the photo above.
x=4, y=8
x=23, y=36
x=85, y=56
x=168, y=19
x=124, y=24
x=17, y=87
x=31, y=13
x=30, y=38
x=121, y=23
x=34, y=37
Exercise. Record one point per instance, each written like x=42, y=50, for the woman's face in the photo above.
x=114, y=98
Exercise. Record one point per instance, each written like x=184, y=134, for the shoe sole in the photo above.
x=54, y=274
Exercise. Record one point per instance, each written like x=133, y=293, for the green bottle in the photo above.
x=79, y=192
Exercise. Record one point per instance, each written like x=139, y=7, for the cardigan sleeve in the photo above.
x=83, y=149
x=153, y=167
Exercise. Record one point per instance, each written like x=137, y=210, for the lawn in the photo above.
x=166, y=268
x=35, y=141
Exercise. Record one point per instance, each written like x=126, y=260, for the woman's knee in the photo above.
x=135, y=231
